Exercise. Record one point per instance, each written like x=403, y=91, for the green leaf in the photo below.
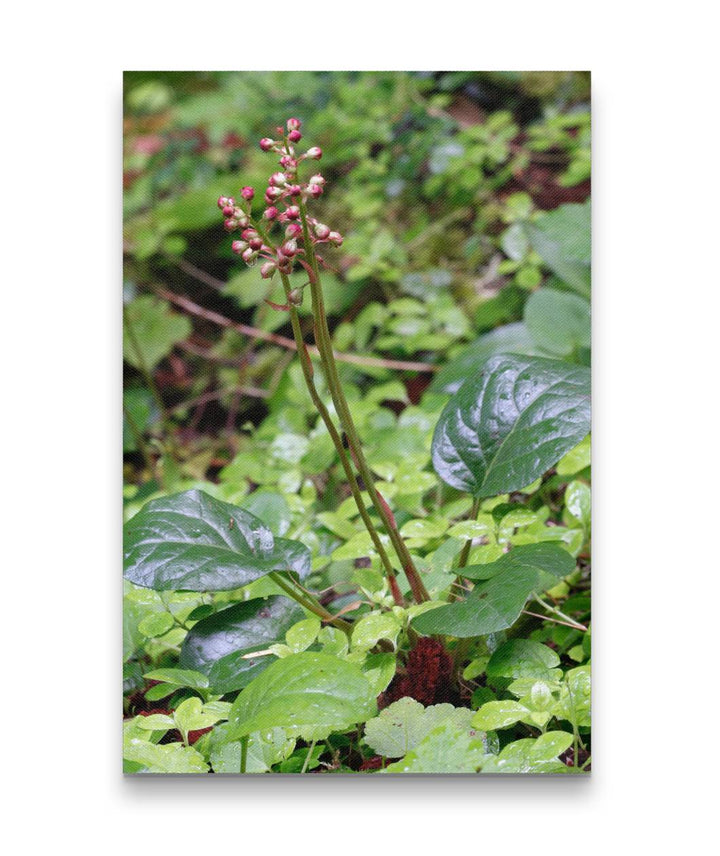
x=510, y=423
x=578, y=501
x=562, y=239
x=447, y=749
x=545, y=558
x=264, y=749
x=524, y=658
x=194, y=542
x=170, y=758
x=154, y=329
x=301, y=635
x=575, y=697
x=155, y=722
x=308, y=691
x=157, y=624
x=403, y=725
x=217, y=646
x=179, y=678
x=531, y=756
x=190, y=715
x=371, y=628
x=576, y=459
x=499, y=714
x=508, y=339
x=558, y=321
x=492, y=605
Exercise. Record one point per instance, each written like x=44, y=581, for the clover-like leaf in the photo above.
x=510, y=423
x=403, y=725
x=448, y=748
x=194, y=542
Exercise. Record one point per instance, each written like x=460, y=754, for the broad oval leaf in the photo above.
x=545, y=558
x=307, y=691
x=510, y=423
x=194, y=542
x=496, y=603
x=218, y=645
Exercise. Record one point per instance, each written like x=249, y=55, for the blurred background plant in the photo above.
x=461, y=198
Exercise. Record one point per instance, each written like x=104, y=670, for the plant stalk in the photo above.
x=310, y=603
x=462, y=561
x=324, y=344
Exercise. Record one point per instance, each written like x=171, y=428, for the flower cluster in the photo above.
x=285, y=198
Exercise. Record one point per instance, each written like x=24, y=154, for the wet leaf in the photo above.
x=531, y=756
x=217, y=646
x=403, y=725
x=492, y=605
x=511, y=422
x=307, y=691
x=194, y=542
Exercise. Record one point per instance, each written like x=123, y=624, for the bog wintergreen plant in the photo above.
x=437, y=613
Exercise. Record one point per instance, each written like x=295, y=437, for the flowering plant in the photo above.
x=297, y=244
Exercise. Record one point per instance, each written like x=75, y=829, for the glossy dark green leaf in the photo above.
x=510, y=338
x=511, y=422
x=492, y=605
x=217, y=646
x=194, y=542
x=308, y=691
x=543, y=557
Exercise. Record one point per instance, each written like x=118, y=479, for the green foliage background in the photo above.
x=464, y=201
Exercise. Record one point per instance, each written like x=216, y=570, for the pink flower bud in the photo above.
x=322, y=231
x=228, y=211
x=317, y=179
x=270, y=213
x=294, y=230
x=224, y=202
x=292, y=213
x=294, y=136
x=274, y=192
x=231, y=224
x=249, y=234
x=266, y=144
x=315, y=190
x=293, y=124
x=277, y=179
x=293, y=190
x=239, y=247
x=268, y=269
x=247, y=193
x=314, y=153
x=335, y=238
x=289, y=248
x=243, y=220
x=249, y=256
x=288, y=162
x=256, y=243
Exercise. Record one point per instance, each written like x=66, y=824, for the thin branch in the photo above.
x=252, y=391
x=284, y=342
